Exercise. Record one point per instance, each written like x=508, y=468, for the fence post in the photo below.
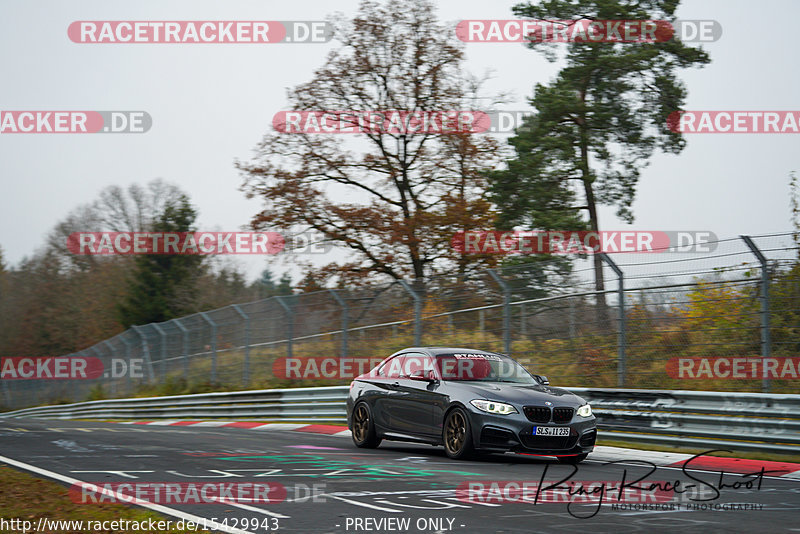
x=506, y=309
x=766, y=338
x=128, y=362
x=571, y=318
x=185, y=332
x=6, y=394
x=345, y=320
x=163, y=365
x=621, y=334
x=289, y=325
x=81, y=383
x=246, y=370
x=417, y=312
x=107, y=343
x=104, y=378
x=208, y=319
x=145, y=352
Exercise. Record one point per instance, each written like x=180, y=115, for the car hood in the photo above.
x=523, y=393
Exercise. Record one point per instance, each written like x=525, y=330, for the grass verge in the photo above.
x=28, y=498
x=776, y=457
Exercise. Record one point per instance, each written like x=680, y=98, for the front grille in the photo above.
x=537, y=414
x=588, y=439
x=562, y=415
x=548, y=442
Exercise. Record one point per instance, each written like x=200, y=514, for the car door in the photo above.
x=385, y=381
x=413, y=406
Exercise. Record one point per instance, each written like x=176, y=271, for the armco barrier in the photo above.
x=699, y=419
x=302, y=405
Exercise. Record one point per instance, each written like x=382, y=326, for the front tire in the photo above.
x=578, y=458
x=363, y=430
x=457, y=435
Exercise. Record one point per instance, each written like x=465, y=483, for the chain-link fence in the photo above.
x=728, y=319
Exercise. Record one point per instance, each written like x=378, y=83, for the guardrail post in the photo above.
x=208, y=319
x=145, y=352
x=766, y=338
x=345, y=320
x=246, y=369
x=621, y=333
x=506, y=309
x=185, y=332
x=129, y=380
x=417, y=312
x=163, y=365
x=289, y=325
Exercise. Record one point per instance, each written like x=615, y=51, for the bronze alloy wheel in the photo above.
x=364, y=434
x=457, y=437
x=360, y=422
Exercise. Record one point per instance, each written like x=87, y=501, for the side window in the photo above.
x=393, y=368
x=402, y=365
x=415, y=361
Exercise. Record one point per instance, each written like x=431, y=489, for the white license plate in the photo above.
x=551, y=430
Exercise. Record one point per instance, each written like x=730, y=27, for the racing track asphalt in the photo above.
x=397, y=480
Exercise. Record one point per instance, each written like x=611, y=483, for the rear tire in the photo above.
x=578, y=458
x=363, y=427
x=457, y=435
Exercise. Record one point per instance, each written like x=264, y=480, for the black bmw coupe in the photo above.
x=469, y=401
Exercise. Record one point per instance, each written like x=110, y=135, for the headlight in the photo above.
x=493, y=407
x=585, y=411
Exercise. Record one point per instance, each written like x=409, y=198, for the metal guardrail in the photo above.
x=699, y=419
x=725, y=420
x=302, y=405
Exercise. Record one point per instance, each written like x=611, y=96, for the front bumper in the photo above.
x=501, y=433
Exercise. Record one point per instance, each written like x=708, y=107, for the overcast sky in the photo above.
x=211, y=104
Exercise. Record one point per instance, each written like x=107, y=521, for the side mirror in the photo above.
x=542, y=380
x=422, y=375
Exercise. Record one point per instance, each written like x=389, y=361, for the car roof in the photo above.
x=435, y=351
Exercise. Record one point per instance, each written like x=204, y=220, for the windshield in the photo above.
x=478, y=367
